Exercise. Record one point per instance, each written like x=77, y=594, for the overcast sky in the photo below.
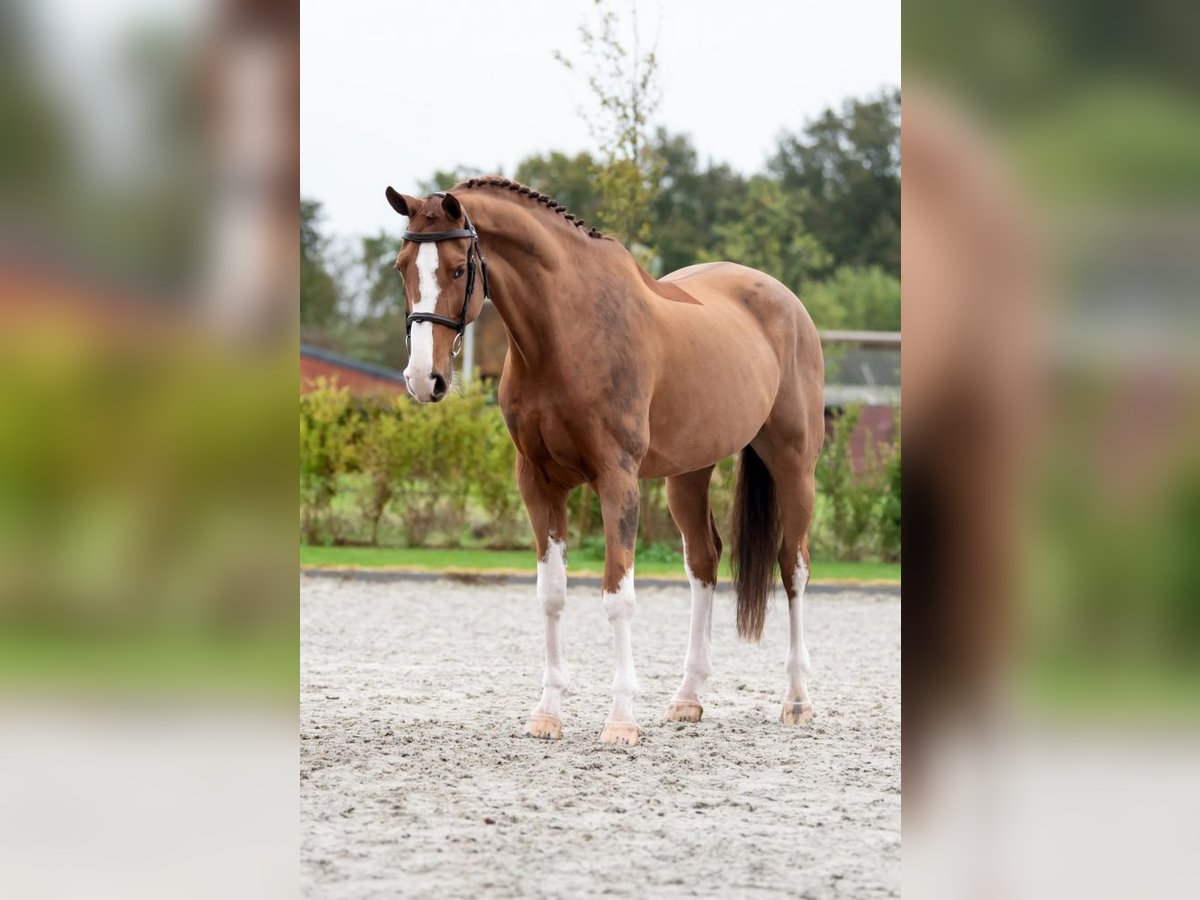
x=391, y=91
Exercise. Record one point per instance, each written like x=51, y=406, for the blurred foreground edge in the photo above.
x=148, y=565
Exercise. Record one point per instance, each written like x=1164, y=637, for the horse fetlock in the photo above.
x=626, y=686
x=799, y=664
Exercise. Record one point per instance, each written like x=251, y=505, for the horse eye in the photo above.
x=458, y=273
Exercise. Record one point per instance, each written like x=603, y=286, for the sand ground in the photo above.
x=416, y=779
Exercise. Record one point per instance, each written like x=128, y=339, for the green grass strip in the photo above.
x=579, y=563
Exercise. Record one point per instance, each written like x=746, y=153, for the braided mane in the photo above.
x=524, y=191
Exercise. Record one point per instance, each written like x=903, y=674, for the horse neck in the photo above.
x=542, y=275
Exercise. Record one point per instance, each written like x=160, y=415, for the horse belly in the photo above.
x=694, y=431
x=718, y=382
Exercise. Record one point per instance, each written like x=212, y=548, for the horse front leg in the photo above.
x=547, y=507
x=619, y=505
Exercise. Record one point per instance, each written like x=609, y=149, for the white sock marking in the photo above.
x=552, y=592
x=698, y=663
x=799, y=666
x=619, y=606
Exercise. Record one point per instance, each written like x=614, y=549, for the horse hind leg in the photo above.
x=796, y=509
x=687, y=498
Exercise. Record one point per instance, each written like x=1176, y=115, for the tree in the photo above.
x=689, y=201
x=370, y=322
x=848, y=164
x=624, y=84
x=444, y=179
x=319, y=296
x=569, y=179
x=37, y=133
x=383, y=288
x=765, y=230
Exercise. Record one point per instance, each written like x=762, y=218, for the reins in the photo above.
x=473, y=250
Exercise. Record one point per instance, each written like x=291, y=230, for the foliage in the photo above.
x=352, y=298
x=624, y=84
x=383, y=288
x=319, y=294
x=691, y=202
x=889, y=508
x=858, y=513
x=765, y=230
x=373, y=329
x=381, y=458
x=856, y=298
x=425, y=467
x=822, y=218
x=327, y=426
x=847, y=164
x=569, y=179
x=379, y=471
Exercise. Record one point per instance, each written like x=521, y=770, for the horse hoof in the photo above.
x=541, y=725
x=619, y=733
x=796, y=713
x=684, y=711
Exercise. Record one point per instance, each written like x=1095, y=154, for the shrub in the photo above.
x=855, y=297
x=889, y=508
x=496, y=484
x=427, y=465
x=424, y=463
x=445, y=471
x=849, y=508
x=327, y=449
x=380, y=458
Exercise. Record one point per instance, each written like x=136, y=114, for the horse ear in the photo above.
x=451, y=205
x=402, y=203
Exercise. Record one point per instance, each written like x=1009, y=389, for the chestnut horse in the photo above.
x=611, y=377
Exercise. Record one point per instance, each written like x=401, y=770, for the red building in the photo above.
x=360, y=377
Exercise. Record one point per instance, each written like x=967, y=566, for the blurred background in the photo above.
x=1051, y=208
x=148, y=275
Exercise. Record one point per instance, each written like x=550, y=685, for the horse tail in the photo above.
x=755, y=534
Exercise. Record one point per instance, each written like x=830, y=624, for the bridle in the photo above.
x=431, y=237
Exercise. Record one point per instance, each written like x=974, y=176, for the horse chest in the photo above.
x=547, y=440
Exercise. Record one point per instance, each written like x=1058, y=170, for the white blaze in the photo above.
x=418, y=374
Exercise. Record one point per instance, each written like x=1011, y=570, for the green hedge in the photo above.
x=385, y=471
